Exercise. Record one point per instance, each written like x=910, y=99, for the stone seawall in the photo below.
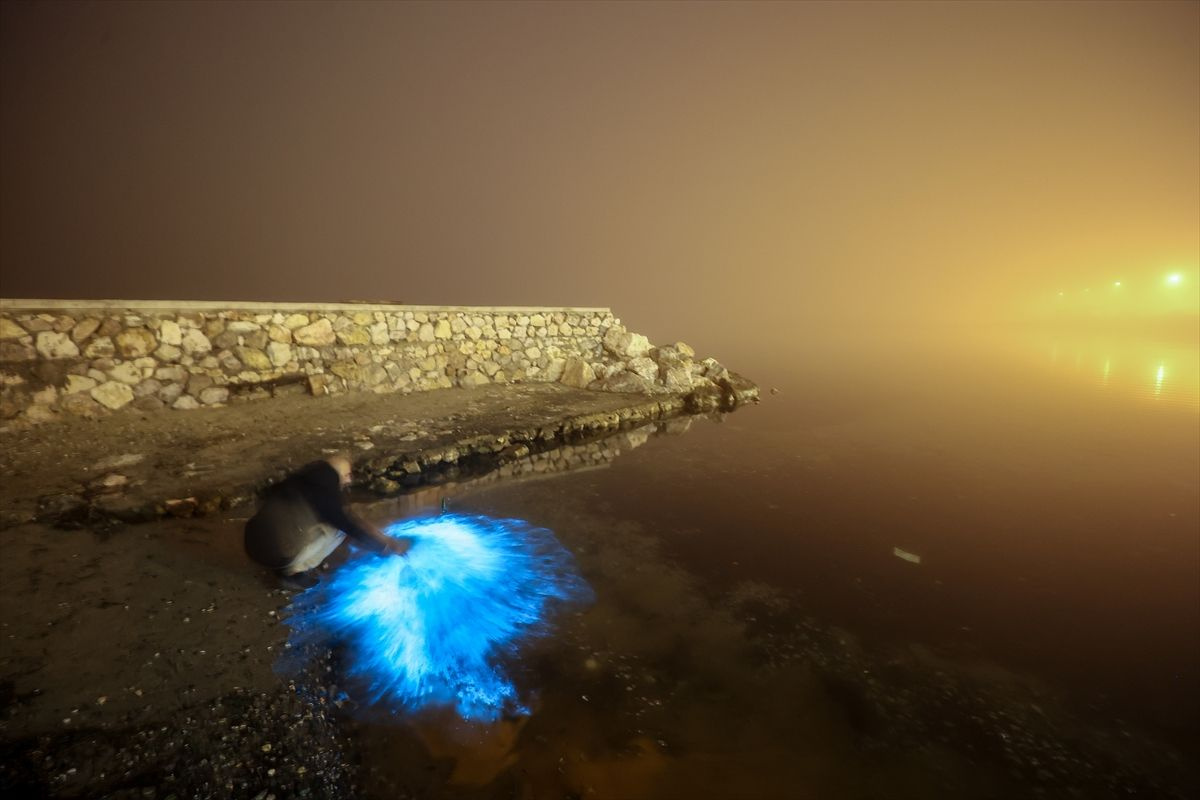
x=89, y=358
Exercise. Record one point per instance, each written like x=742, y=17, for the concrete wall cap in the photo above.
x=14, y=304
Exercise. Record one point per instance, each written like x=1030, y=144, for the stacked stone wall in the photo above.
x=70, y=358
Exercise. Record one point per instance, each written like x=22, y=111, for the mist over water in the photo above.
x=1049, y=483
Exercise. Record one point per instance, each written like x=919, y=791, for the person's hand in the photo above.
x=398, y=547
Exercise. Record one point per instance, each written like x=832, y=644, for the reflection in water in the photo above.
x=1166, y=372
x=480, y=752
x=532, y=467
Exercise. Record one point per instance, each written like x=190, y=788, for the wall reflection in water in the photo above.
x=597, y=454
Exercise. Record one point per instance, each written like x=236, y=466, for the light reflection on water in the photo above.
x=1165, y=372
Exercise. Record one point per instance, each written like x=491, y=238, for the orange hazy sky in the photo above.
x=704, y=169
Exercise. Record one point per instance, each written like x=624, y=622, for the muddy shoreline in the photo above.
x=134, y=467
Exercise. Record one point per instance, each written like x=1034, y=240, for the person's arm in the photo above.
x=363, y=532
x=373, y=538
x=323, y=492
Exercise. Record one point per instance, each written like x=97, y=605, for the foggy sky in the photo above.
x=711, y=171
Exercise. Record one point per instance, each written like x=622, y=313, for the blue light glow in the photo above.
x=429, y=628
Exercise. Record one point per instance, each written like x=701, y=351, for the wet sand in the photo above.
x=141, y=660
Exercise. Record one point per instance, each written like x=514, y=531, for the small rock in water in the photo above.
x=904, y=555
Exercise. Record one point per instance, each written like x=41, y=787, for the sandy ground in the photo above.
x=139, y=664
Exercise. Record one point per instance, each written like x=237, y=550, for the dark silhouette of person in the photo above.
x=302, y=520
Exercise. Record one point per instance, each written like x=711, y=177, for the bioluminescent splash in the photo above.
x=429, y=628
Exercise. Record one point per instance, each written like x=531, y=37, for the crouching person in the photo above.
x=302, y=520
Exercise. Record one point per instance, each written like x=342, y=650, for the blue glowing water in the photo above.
x=430, y=628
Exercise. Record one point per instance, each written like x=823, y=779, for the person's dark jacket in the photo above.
x=291, y=509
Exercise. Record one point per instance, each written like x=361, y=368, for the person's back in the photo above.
x=302, y=520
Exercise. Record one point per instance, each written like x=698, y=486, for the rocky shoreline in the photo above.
x=135, y=467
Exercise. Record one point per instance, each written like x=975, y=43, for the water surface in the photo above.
x=918, y=570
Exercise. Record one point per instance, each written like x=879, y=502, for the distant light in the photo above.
x=1174, y=279
x=1116, y=283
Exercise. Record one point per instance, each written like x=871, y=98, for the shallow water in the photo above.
x=927, y=570
x=1056, y=513
x=935, y=571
